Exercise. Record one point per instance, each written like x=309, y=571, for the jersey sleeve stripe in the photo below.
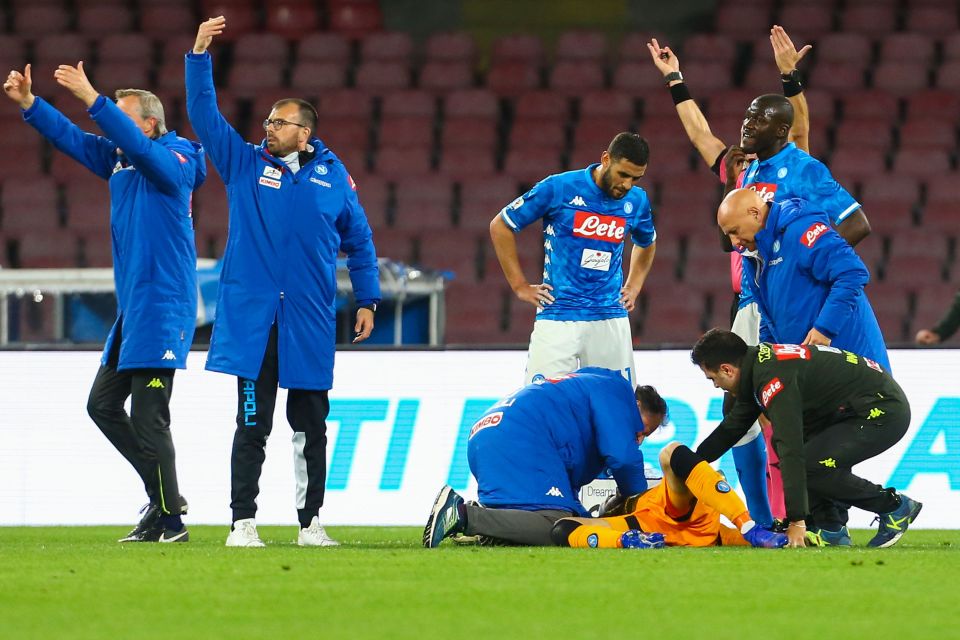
x=846, y=213
x=506, y=218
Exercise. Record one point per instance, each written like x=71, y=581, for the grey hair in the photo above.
x=150, y=106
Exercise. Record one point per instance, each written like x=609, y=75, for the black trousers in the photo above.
x=307, y=412
x=831, y=454
x=142, y=437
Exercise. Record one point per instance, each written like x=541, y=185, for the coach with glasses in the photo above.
x=293, y=206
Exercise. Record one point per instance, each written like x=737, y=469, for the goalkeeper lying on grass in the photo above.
x=683, y=510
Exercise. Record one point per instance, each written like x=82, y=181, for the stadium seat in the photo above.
x=252, y=78
x=511, y=78
x=39, y=20
x=932, y=20
x=291, y=18
x=581, y=45
x=706, y=76
x=571, y=78
x=638, y=79
x=392, y=162
x=919, y=242
x=13, y=53
x=931, y=302
x=406, y=131
x=29, y=205
x=597, y=132
x=518, y=48
x=47, y=249
x=839, y=78
x=911, y=270
x=424, y=202
x=950, y=47
x=763, y=75
x=916, y=48
x=173, y=50
x=125, y=47
x=532, y=164
x=900, y=78
x=889, y=217
x=315, y=78
x=481, y=199
x=94, y=250
x=88, y=205
x=345, y=103
x=453, y=251
x=871, y=252
x=862, y=133
x=340, y=133
x=870, y=104
x=470, y=165
x=607, y=104
x=475, y=312
x=61, y=48
x=410, y=103
x=806, y=22
x=848, y=48
x=891, y=189
x=948, y=76
x=851, y=165
x=450, y=46
x=544, y=105
x=388, y=46
x=443, y=77
x=742, y=22
x=921, y=162
x=468, y=135
x=928, y=134
x=471, y=102
x=533, y=132
x=323, y=46
x=354, y=19
x=935, y=103
x=261, y=48
x=166, y=20
x=242, y=16
x=707, y=47
x=111, y=76
x=382, y=77
x=870, y=19
x=670, y=326
x=395, y=244
x=100, y=20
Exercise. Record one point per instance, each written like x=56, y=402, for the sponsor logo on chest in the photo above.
x=269, y=182
x=596, y=260
x=272, y=172
x=598, y=227
x=765, y=190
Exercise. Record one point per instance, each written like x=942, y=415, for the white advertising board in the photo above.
x=397, y=432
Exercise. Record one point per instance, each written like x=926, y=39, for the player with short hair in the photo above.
x=583, y=300
x=683, y=510
x=533, y=451
x=831, y=409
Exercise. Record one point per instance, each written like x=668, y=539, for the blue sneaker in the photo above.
x=838, y=538
x=445, y=519
x=894, y=524
x=636, y=539
x=757, y=536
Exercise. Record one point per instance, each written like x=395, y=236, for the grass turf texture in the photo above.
x=76, y=582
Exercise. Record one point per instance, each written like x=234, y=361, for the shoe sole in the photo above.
x=892, y=541
x=430, y=530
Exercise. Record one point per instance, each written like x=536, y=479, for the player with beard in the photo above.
x=583, y=301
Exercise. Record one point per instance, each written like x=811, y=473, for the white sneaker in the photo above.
x=315, y=536
x=244, y=534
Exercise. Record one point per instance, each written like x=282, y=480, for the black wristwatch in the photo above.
x=673, y=75
x=372, y=306
x=793, y=75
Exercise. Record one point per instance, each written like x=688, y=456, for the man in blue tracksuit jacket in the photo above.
x=806, y=279
x=151, y=174
x=533, y=451
x=293, y=206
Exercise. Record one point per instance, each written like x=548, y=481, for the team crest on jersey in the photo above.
x=321, y=169
x=628, y=208
x=814, y=233
x=598, y=227
x=765, y=190
x=776, y=245
x=782, y=173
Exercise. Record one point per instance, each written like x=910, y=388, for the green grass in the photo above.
x=75, y=582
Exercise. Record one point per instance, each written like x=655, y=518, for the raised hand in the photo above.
x=75, y=80
x=17, y=87
x=206, y=32
x=663, y=57
x=784, y=52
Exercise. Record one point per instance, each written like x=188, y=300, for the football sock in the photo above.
x=172, y=522
x=751, y=462
x=710, y=488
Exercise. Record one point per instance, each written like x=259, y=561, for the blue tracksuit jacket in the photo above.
x=154, y=256
x=807, y=276
x=534, y=449
x=280, y=261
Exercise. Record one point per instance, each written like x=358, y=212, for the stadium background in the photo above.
x=444, y=111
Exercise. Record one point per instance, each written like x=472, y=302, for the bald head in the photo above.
x=766, y=125
x=741, y=215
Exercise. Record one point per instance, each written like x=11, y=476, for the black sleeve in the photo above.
x=744, y=413
x=950, y=322
x=715, y=167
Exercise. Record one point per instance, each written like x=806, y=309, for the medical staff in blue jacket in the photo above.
x=533, y=451
x=293, y=207
x=151, y=174
x=807, y=280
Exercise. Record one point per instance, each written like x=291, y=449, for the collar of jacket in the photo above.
x=315, y=149
x=746, y=373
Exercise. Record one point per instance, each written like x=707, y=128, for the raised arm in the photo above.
x=224, y=145
x=787, y=57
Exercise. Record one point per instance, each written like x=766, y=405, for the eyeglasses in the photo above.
x=277, y=124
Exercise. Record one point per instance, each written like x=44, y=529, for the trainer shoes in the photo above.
x=149, y=528
x=445, y=518
x=838, y=538
x=894, y=524
x=315, y=536
x=169, y=535
x=244, y=534
x=636, y=539
x=757, y=536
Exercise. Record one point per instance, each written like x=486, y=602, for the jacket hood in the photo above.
x=191, y=148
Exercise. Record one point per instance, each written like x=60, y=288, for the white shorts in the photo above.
x=746, y=324
x=562, y=346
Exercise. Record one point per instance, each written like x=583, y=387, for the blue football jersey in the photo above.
x=583, y=234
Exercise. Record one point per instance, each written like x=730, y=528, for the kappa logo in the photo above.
x=770, y=391
x=156, y=383
x=603, y=228
x=810, y=237
x=487, y=421
x=168, y=355
x=556, y=493
x=577, y=202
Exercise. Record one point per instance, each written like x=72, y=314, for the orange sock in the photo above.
x=710, y=488
x=602, y=537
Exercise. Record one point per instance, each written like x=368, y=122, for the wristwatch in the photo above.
x=793, y=75
x=673, y=75
x=372, y=306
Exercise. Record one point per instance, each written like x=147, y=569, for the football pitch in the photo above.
x=76, y=582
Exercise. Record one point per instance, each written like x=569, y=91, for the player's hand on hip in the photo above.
x=75, y=80
x=628, y=297
x=663, y=57
x=784, y=52
x=208, y=29
x=925, y=336
x=536, y=294
x=363, y=326
x=797, y=534
x=17, y=87
x=815, y=337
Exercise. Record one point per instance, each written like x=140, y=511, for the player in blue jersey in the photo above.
x=583, y=301
x=532, y=451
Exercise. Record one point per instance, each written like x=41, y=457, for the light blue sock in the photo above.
x=751, y=462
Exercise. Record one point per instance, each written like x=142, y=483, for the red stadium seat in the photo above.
x=252, y=78
x=606, y=103
x=917, y=48
x=633, y=46
x=919, y=242
x=934, y=20
x=913, y=269
x=468, y=135
x=452, y=253
x=29, y=205
x=582, y=45
x=928, y=134
x=406, y=131
x=806, y=22
x=39, y=20
x=510, y=78
x=936, y=104
x=847, y=48
x=763, y=77
x=48, y=249
x=871, y=19
x=61, y=48
x=167, y=20
x=742, y=22
x=532, y=164
x=950, y=45
x=943, y=193
x=323, y=46
x=548, y=134
x=900, y=78
x=467, y=165
x=888, y=217
x=125, y=47
x=481, y=199
x=424, y=203
x=291, y=18
x=518, y=48
x=838, y=78
x=728, y=103
x=921, y=163
x=174, y=48
x=571, y=78
x=638, y=79
x=389, y=46
x=261, y=48
x=444, y=77
x=345, y=103
x=354, y=19
x=471, y=102
x=13, y=54
x=241, y=17
x=542, y=105
x=708, y=75
x=863, y=133
x=410, y=103
x=383, y=77
x=451, y=46
x=932, y=301
x=94, y=250
x=315, y=78
x=396, y=244
x=393, y=162
x=850, y=165
x=903, y=191
x=101, y=20
x=708, y=47
x=111, y=76
x=88, y=206
x=948, y=76
x=597, y=132
x=340, y=133
x=870, y=104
